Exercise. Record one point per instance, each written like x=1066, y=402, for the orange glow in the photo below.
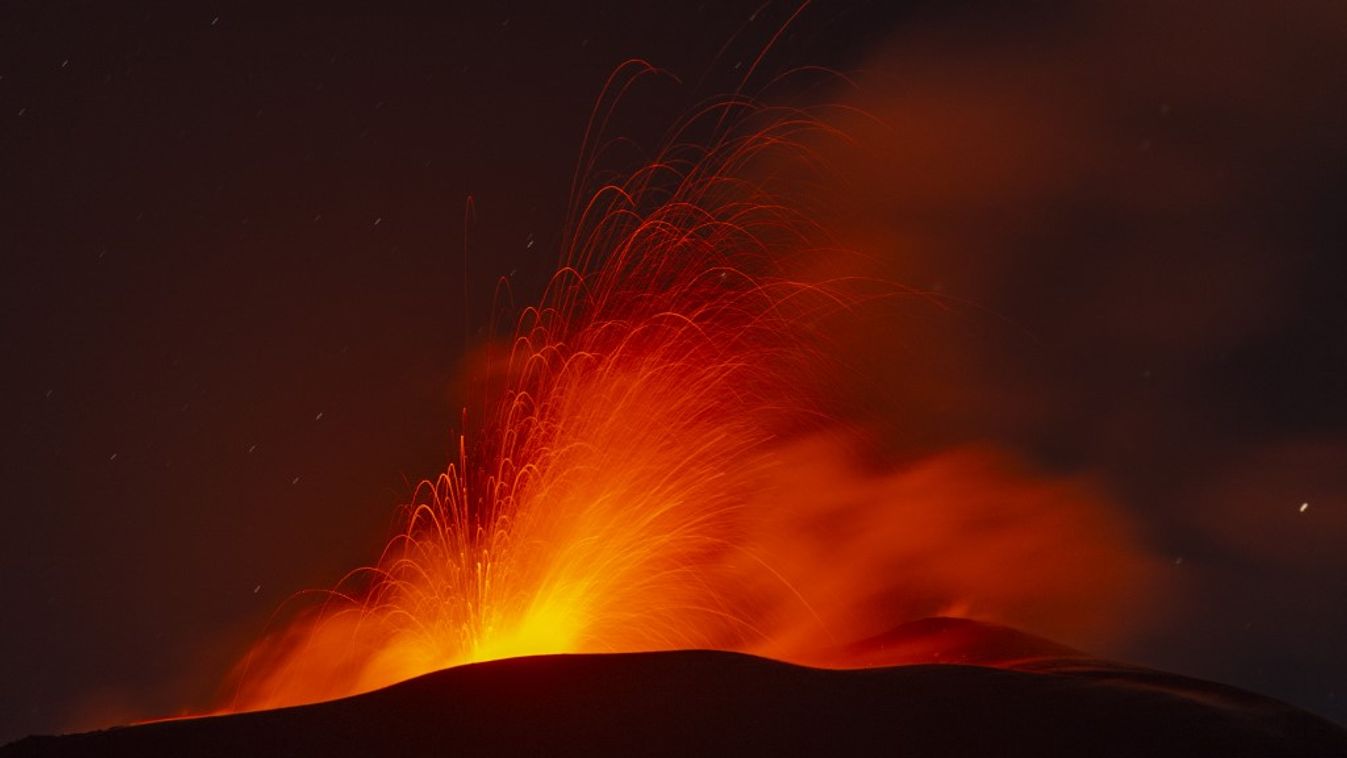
x=660, y=471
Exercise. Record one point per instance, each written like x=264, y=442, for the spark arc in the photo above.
x=659, y=468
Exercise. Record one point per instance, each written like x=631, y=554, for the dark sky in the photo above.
x=233, y=298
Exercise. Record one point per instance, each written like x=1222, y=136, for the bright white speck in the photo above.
x=65, y=63
x=257, y=589
x=112, y=457
x=215, y=21
x=294, y=481
x=1304, y=507
x=319, y=417
x=251, y=448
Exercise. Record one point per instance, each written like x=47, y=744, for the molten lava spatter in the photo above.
x=659, y=471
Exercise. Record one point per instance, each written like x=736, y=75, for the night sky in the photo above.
x=234, y=316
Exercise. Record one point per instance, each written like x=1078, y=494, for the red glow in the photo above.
x=660, y=472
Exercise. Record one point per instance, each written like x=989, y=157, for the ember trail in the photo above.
x=655, y=468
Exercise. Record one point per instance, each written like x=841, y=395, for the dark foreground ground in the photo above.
x=696, y=702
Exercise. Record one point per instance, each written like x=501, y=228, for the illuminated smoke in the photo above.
x=661, y=468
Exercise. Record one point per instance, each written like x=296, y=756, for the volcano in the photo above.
x=1038, y=699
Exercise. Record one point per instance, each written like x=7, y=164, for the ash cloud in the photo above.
x=1122, y=214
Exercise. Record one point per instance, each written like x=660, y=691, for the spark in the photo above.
x=593, y=514
x=643, y=477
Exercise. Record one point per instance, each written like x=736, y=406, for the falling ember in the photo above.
x=658, y=471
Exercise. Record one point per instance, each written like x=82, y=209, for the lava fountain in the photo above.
x=659, y=469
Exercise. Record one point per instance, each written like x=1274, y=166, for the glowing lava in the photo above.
x=659, y=472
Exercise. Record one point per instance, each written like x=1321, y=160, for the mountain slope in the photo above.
x=695, y=701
